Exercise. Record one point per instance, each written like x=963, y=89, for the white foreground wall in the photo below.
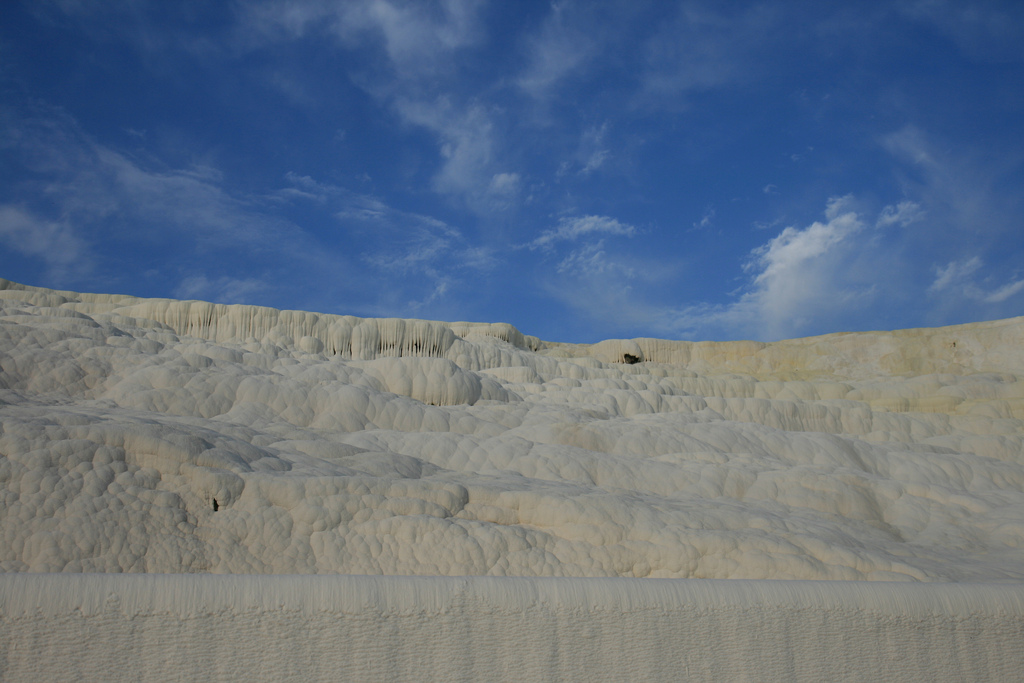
x=273, y=628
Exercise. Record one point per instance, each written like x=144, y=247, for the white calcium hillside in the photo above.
x=169, y=437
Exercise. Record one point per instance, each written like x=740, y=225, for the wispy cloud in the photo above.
x=707, y=219
x=814, y=277
x=55, y=243
x=420, y=44
x=83, y=182
x=213, y=244
x=142, y=24
x=601, y=286
x=957, y=278
x=77, y=191
x=574, y=227
x=703, y=47
x=417, y=38
x=968, y=208
x=561, y=46
x=304, y=187
x=801, y=279
x=222, y=289
x=391, y=239
x=467, y=149
x=986, y=31
x=406, y=253
x=902, y=214
x=591, y=154
x=590, y=261
x=955, y=186
x=1008, y=290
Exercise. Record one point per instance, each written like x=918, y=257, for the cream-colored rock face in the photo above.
x=163, y=436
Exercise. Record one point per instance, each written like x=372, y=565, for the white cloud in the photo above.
x=505, y=184
x=799, y=279
x=420, y=250
x=970, y=212
x=1005, y=292
x=304, y=187
x=706, y=220
x=467, y=146
x=417, y=37
x=438, y=293
x=571, y=228
x=55, y=243
x=970, y=195
x=903, y=214
x=910, y=144
x=85, y=182
x=592, y=150
x=188, y=201
x=427, y=254
x=81, y=192
x=421, y=44
x=601, y=286
x=224, y=289
x=561, y=46
x=957, y=278
x=590, y=261
x=798, y=272
x=591, y=153
x=595, y=161
x=819, y=276
x=477, y=258
x=955, y=271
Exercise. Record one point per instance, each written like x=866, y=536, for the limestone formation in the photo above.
x=143, y=435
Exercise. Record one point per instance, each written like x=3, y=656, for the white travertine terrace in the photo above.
x=175, y=437
x=181, y=436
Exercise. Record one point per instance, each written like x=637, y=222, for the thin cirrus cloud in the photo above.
x=987, y=31
x=703, y=47
x=573, y=227
x=87, y=200
x=561, y=46
x=408, y=253
x=959, y=189
x=593, y=150
x=466, y=138
x=414, y=37
x=958, y=278
x=220, y=289
x=65, y=255
x=420, y=45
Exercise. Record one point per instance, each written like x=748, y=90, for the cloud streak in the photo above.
x=575, y=227
x=78, y=192
x=417, y=38
x=957, y=278
x=55, y=243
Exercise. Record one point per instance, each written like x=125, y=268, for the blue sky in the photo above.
x=582, y=170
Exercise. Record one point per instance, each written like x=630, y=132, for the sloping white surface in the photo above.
x=276, y=628
x=162, y=436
